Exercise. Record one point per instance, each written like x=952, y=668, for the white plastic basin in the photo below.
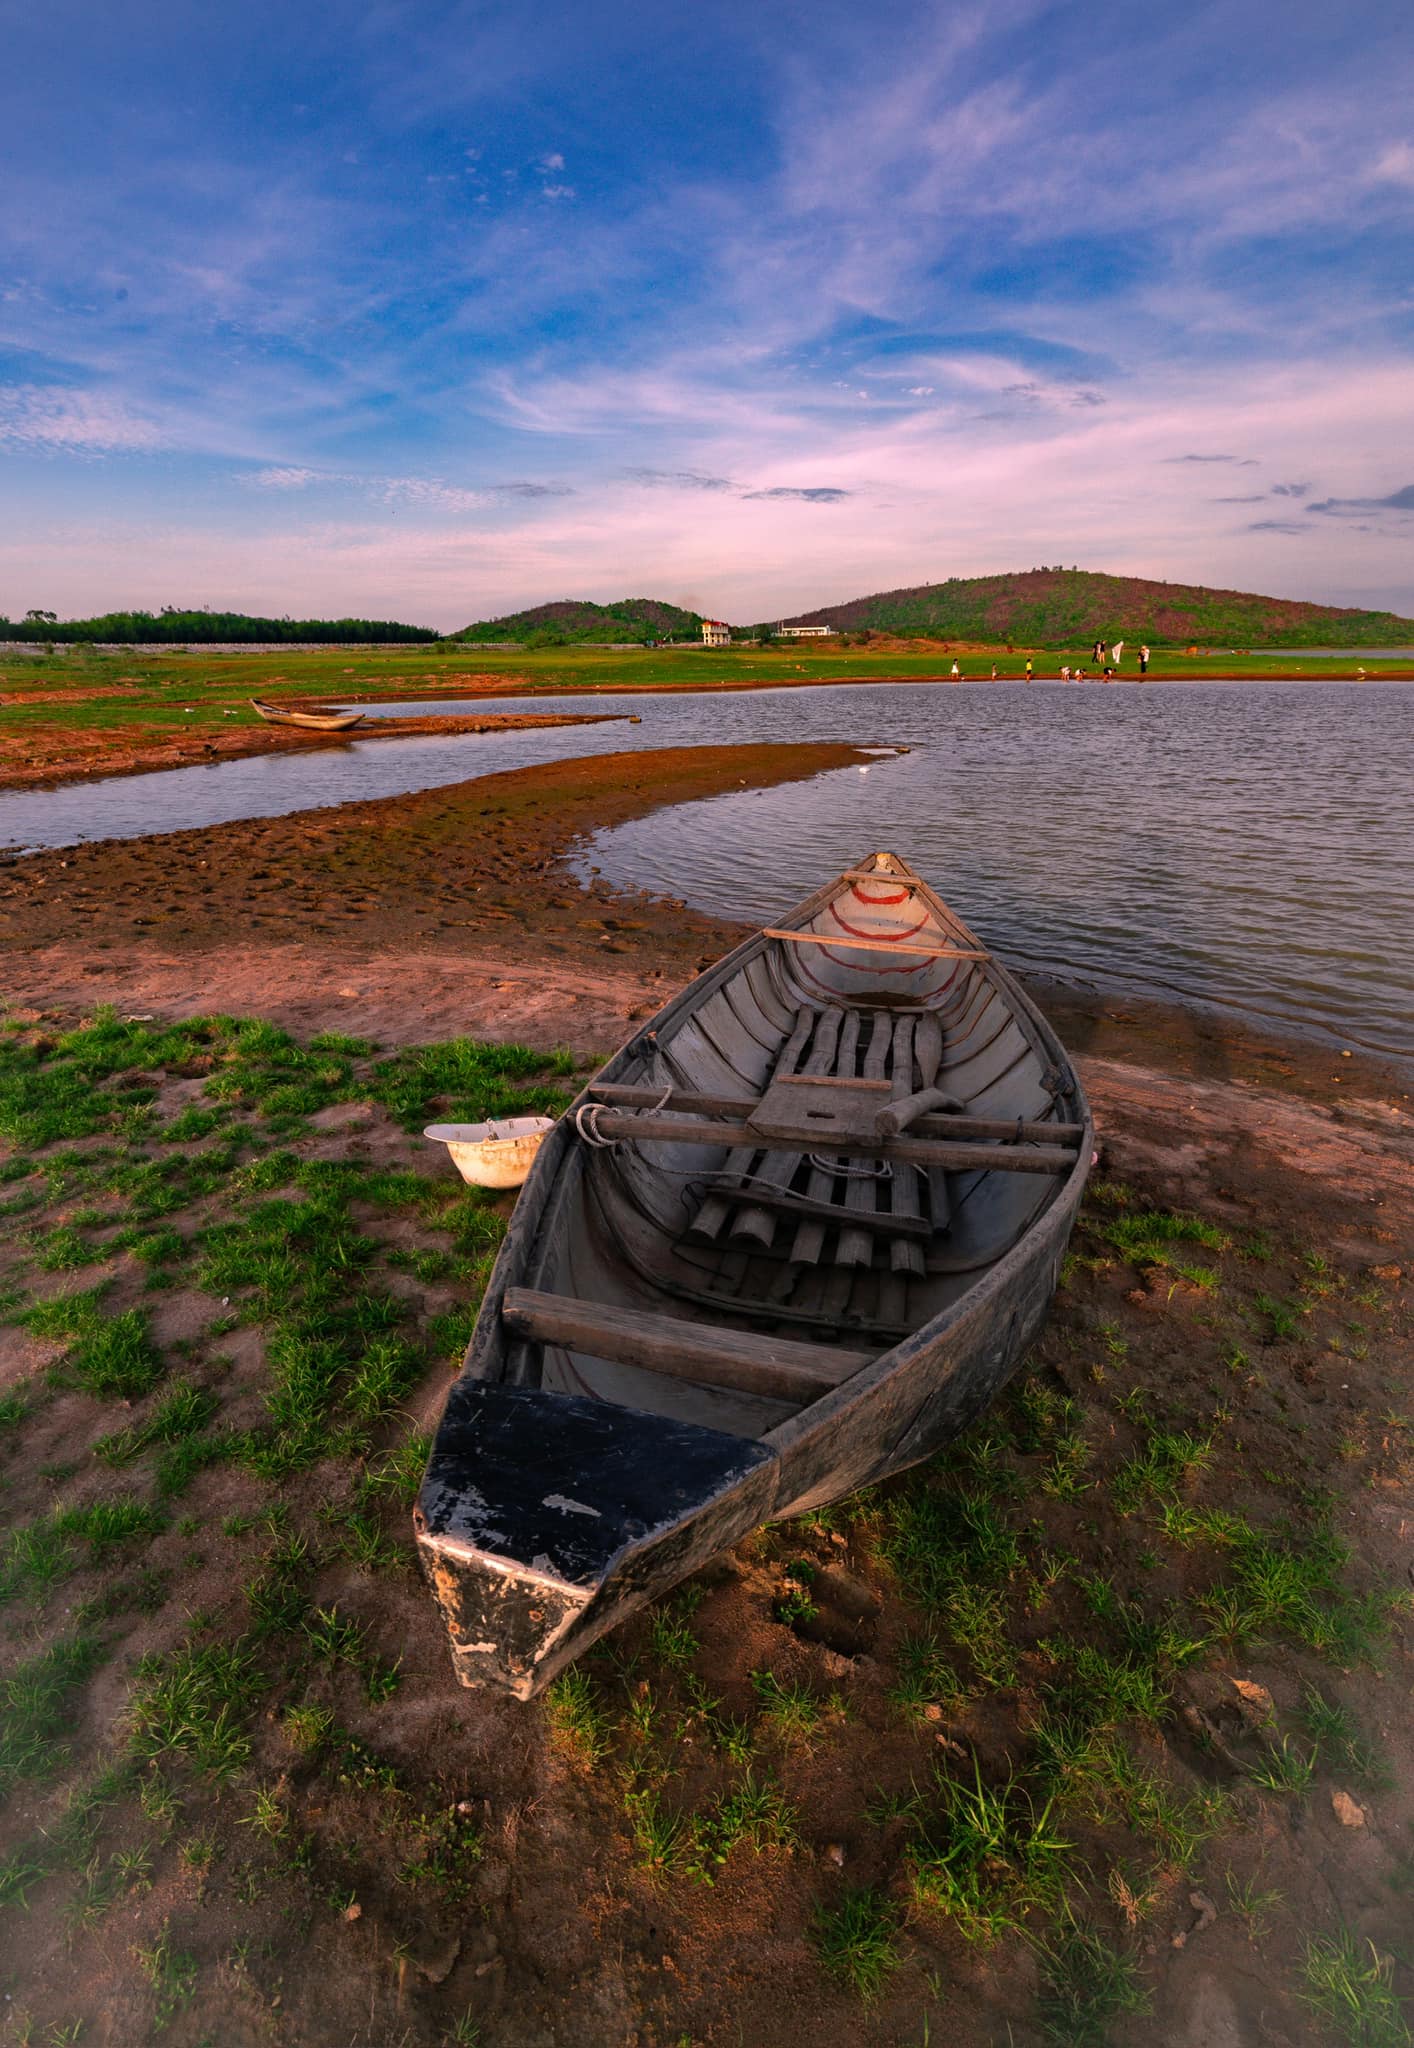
x=494, y=1155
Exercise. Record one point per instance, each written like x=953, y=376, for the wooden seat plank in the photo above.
x=710, y=1355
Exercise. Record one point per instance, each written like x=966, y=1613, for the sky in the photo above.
x=432, y=310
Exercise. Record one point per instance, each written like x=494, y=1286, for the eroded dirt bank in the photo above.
x=34, y=756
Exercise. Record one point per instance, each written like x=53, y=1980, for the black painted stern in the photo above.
x=544, y=1519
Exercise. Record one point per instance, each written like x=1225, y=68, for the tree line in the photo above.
x=171, y=624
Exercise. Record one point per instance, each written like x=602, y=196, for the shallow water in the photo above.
x=1246, y=846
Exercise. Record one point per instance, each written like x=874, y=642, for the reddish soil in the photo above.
x=453, y=912
x=41, y=754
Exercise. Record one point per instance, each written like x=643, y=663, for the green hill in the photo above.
x=1069, y=607
x=569, y=619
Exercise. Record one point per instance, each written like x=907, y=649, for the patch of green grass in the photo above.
x=469, y=1081
x=170, y=1972
x=1251, y=1905
x=106, y=1354
x=37, y=1557
x=448, y=1848
x=1085, y=1985
x=986, y=1854
x=1160, y=1469
x=36, y=1703
x=954, y=1554
x=65, y=1248
x=857, y=1940
x=182, y=1412
x=337, y=1638
x=193, y=1705
x=1348, y=1986
x=666, y=1842
x=1341, y=1745
x=276, y=1594
x=1283, y=1768
x=925, y=1676
x=790, y=1708
x=755, y=1815
x=1291, y=1584
x=1283, y=1319
x=577, y=1717
x=1148, y=1237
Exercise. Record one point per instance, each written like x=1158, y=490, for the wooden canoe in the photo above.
x=797, y=1233
x=311, y=721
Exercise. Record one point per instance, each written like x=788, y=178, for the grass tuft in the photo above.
x=857, y=1940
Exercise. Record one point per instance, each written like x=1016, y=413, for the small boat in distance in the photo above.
x=795, y=1235
x=312, y=721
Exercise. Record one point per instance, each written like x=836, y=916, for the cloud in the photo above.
x=1243, y=461
x=558, y=191
x=44, y=419
x=1250, y=498
x=1277, y=526
x=1398, y=501
x=1395, y=166
x=813, y=494
x=679, y=479
x=285, y=477
x=553, y=162
x=411, y=490
x=1290, y=490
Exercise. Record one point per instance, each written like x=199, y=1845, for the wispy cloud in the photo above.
x=1397, y=501
x=43, y=419
x=812, y=494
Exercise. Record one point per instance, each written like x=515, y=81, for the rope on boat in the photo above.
x=858, y=1169
x=586, y=1120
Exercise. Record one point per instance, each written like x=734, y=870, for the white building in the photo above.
x=716, y=633
x=805, y=632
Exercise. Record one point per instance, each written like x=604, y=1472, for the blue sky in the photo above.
x=436, y=310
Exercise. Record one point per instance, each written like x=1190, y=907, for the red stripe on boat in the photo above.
x=890, y=938
x=899, y=896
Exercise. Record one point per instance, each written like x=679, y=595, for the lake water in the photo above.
x=1245, y=846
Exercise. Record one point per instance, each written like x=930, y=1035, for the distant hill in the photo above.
x=572, y=618
x=172, y=625
x=1068, y=607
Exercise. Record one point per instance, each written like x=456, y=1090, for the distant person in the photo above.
x=1065, y=672
x=1109, y=673
x=955, y=675
x=1028, y=668
x=994, y=671
x=1079, y=675
x=1143, y=661
x=1098, y=652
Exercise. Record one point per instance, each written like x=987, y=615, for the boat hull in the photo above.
x=516, y=1611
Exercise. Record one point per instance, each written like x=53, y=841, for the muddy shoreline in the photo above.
x=426, y=904
x=53, y=758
